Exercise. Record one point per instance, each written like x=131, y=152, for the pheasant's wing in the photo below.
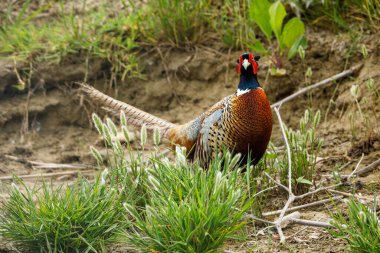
x=219, y=105
x=212, y=133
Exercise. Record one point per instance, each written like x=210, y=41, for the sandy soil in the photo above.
x=178, y=87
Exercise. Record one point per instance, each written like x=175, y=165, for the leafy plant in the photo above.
x=305, y=146
x=270, y=19
x=84, y=217
x=360, y=228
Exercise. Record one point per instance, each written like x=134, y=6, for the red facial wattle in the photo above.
x=250, y=60
x=239, y=65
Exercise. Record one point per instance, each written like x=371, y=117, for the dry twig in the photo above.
x=54, y=174
x=346, y=194
x=295, y=208
x=44, y=165
x=291, y=197
x=311, y=223
x=319, y=84
x=365, y=170
x=356, y=168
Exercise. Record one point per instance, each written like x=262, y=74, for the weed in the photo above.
x=176, y=22
x=342, y=14
x=305, y=146
x=353, y=127
x=177, y=206
x=78, y=218
x=362, y=120
x=234, y=27
x=366, y=100
x=361, y=227
x=95, y=34
x=187, y=23
x=190, y=209
x=110, y=35
x=124, y=174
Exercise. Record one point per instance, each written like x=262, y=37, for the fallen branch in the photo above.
x=43, y=165
x=368, y=168
x=319, y=84
x=360, y=172
x=356, y=168
x=295, y=208
x=311, y=223
x=47, y=174
x=287, y=219
x=318, y=190
x=294, y=218
x=291, y=197
x=346, y=194
x=282, y=219
x=252, y=217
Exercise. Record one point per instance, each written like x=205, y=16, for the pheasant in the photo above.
x=241, y=122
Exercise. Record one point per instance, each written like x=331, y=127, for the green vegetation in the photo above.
x=83, y=217
x=94, y=35
x=182, y=207
x=270, y=19
x=361, y=227
x=155, y=204
x=365, y=100
x=152, y=204
x=305, y=146
x=115, y=35
x=173, y=22
x=190, y=209
x=364, y=13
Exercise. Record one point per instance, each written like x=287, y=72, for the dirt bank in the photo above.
x=50, y=124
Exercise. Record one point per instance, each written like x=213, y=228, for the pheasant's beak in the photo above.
x=245, y=63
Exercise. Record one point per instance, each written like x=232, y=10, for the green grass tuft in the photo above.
x=305, y=146
x=96, y=34
x=189, y=209
x=83, y=217
x=176, y=206
x=361, y=227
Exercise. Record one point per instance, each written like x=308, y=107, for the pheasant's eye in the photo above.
x=237, y=61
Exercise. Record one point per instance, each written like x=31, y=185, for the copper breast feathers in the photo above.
x=243, y=124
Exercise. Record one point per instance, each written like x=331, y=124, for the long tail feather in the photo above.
x=135, y=116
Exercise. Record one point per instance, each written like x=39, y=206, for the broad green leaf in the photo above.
x=258, y=47
x=303, y=180
x=301, y=41
x=259, y=13
x=293, y=29
x=277, y=14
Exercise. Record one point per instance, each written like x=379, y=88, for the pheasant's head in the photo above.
x=247, y=64
x=247, y=68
